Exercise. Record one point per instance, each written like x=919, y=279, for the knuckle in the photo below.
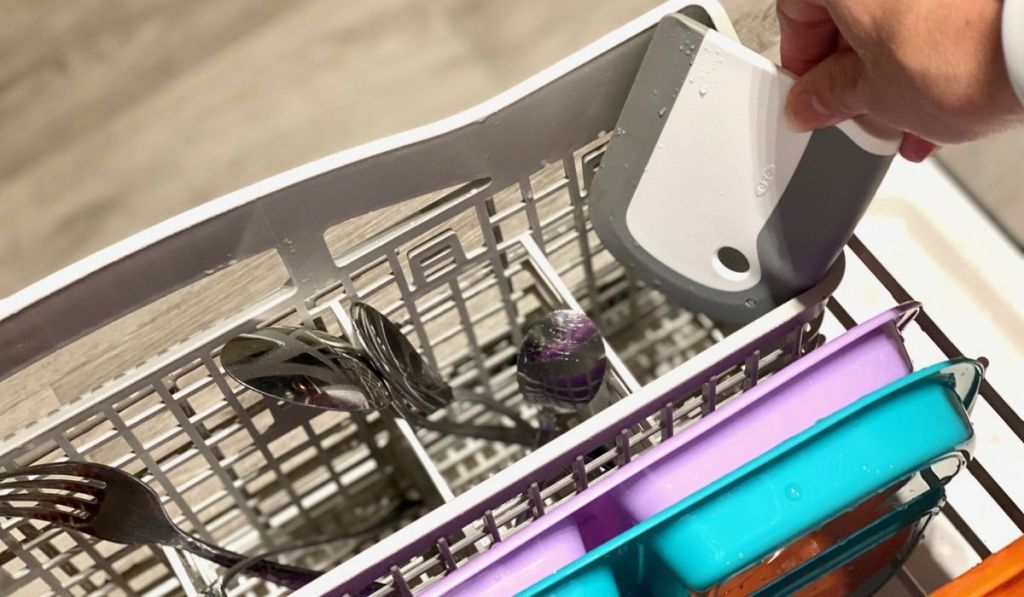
x=843, y=83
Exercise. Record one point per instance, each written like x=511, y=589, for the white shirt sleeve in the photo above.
x=1013, y=43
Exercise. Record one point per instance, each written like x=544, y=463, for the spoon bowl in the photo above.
x=304, y=366
x=316, y=369
x=416, y=384
x=419, y=390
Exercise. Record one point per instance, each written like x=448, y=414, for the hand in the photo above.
x=933, y=68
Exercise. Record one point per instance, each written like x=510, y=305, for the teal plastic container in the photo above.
x=735, y=522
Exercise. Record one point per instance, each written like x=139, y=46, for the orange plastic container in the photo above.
x=838, y=582
x=1001, y=574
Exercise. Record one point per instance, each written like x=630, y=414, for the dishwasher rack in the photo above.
x=464, y=231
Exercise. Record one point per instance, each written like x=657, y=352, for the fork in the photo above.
x=110, y=504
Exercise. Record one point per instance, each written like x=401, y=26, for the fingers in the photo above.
x=812, y=46
x=809, y=35
x=827, y=94
x=915, y=149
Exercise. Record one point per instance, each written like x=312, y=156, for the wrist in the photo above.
x=1013, y=46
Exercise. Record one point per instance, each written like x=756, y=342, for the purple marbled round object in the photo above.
x=562, y=361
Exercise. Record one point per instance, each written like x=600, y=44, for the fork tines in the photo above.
x=61, y=493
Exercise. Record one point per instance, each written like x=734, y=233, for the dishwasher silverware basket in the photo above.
x=464, y=231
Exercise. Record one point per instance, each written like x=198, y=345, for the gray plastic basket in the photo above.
x=464, y=269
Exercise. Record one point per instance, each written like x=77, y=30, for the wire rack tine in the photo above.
x=667, y=421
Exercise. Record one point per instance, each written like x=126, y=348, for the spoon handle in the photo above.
x=466, y=395
x=522, y=433
x=291, y=577
x=508, y=435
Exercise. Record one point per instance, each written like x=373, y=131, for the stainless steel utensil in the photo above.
x=305, y=366
x=418, y=389
x=417, y=386
x=398, y=510
x=112, y=505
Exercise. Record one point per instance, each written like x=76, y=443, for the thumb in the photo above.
x=827, y=94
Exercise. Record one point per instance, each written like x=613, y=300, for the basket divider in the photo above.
x=554, y=284
x=424, y=465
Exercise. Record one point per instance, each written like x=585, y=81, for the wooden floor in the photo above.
x=117, y=115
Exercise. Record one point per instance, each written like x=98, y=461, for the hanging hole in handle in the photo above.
x=731, y=263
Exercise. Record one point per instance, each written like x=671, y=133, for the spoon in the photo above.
x=561, y=366
x=418, y=389
x=417, y=386
x=308, y=367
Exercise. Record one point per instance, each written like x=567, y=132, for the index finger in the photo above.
x=809, y=34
